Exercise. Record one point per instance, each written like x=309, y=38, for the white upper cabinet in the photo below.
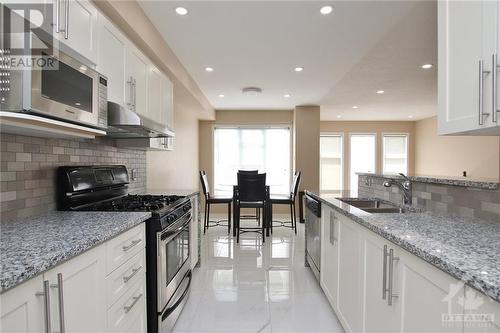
x=75, y=24
x=468, y=38
x=136, y=75
x=111, y=59
x=154, y=94
x=167, y=103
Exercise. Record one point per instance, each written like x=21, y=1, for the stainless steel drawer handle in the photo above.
x=66, y=20
x=494, y=69
x=60, y=298
x=391, y=293
x=131, y=245
x=46, y=305
x=332, y=228
x=134, y=272
x=482, y=114
x=127, y=308
x=384, y=272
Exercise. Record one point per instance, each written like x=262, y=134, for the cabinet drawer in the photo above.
x=124, y=277
x=128, y=310
x=125, y=246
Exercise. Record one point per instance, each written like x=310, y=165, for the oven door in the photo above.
x=70, y=92
x=173, y=258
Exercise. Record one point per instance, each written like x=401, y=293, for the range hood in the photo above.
x=125, y=123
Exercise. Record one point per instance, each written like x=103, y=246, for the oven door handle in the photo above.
x=171, y=309
x=172, y=233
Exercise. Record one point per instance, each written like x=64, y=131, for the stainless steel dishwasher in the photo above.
x=313, y=234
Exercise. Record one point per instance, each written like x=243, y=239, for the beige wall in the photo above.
x=376, y=127
x=451, y=155
x=306, y=145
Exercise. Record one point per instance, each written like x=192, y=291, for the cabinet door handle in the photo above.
x=482, y=114
x=46, y=304
x=131, y=245
x=332, y=228
x=391, y=295
x=66, y=21
x=494, y=68
x=59, y=287
x=127, y=308
x=134, y=272
x=130, y=82
x=384, y=272
x=135, y=94
x=58, y=15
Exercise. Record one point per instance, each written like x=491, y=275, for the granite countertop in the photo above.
x=33, y=245
x=486, y=184
x=466, y=248
x=169, y=191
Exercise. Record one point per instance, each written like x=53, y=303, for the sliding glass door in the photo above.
x=362, y=157
x=266, y=149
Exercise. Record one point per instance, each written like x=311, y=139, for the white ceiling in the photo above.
x=363, y=46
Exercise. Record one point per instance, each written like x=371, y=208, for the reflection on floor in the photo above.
x=251, y=287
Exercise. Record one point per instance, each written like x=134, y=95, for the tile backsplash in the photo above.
x=28, y=169
x=449, y=199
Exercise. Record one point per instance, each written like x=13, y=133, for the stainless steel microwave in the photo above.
x=68, y=89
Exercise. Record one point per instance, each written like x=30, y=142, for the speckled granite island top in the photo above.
x=466, y=248
x=31, y=246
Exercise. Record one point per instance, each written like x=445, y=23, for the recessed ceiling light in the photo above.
x=339, y=116
x=410, y=117
x=209, y=69
x=181, y=11
x=325, y=10
x=286, y=95
x=298, y=69
x=355, y=107
x=380, y=92
x=426, y=66
x=221, y=95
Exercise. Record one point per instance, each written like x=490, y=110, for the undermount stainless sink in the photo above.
x=374, y=206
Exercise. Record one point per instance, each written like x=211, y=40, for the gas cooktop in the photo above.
x=136, y=203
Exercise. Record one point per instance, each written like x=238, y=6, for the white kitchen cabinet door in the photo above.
x=155, y=78
x=111, y=60
x=167, y=103
x=194, y=232
x=84, y=296
x=77, y=21
x=467, y=34
x=427, y=295
x=329, y=274
x=350, y=286
x=21, y=309
x=378, y=315
x=481, y=306
x=136, y=69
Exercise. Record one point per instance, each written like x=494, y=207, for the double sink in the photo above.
x=374, y=206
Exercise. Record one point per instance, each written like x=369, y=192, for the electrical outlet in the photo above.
x=134, y=174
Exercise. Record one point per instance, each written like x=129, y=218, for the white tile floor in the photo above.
x=251, y=287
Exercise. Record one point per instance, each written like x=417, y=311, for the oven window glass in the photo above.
x=177, y=253
x=68, y=86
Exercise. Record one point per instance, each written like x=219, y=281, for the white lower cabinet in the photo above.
x=329, y=274
x=374, y=285
x=350, y=286
x=21, y=310
x=83, y=296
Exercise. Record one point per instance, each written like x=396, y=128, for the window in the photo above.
x=395, y=153
x=266, y=149
x=362, y=157
x=331, y=159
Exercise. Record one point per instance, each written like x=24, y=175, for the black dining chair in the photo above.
x=289, y=200
x=211, y=200
x=251, y=192
x=257, y=210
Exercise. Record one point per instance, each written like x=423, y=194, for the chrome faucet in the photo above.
x=405, y=186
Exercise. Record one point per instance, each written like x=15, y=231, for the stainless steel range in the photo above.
x=168, y=273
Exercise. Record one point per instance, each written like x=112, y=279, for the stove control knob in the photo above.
x=185, y=208
x=170, y=218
